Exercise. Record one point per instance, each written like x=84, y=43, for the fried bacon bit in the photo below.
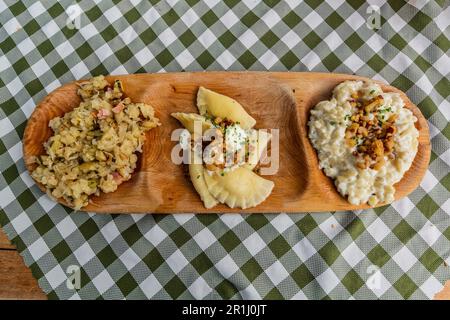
x=119, y=107
x=373, y=138
x=103, y=113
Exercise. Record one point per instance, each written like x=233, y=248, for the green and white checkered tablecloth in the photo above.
x=392, y=252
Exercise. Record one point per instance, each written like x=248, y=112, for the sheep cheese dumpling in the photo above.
x=365, y=140
x=217, y=181
x=217, y=105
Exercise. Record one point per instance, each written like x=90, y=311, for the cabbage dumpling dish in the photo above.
x=224, y=151
x=93, y=148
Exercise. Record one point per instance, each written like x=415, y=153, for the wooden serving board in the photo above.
x=275, y=99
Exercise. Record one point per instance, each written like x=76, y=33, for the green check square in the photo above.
x=187, y=38
x=61, y=251
x=378, y=256
x=442, y=42
x=274, y=294
x=107, y=256
x=247, y=59
x=376, y=63
x=175, y=287
x=420, y=21
x=403, y=83
x=269, y=39
x=251, y=269
x=302, y=276
x=34, y=86
x=427, y=206
x=446, y=181
x=331, y=62
x=209, y=18
x=153, y=259
x=355, y=228
x=17, y=8
x=446, y=131
x=256, y=221
x=312, y=40
x=334, y=20
x=431, y=260
x=205, y=59
x=352, y=281
x=226, y=289
x=88, y=229
x=307, y=224
x=422, y=63
x=249, y=19
x=354, y=42
x=202, y=263
x=10, y=174
x=404, y=231
x=443, y=87
x=229, y=241
x=398, y=42
x=26, y=199
x=180, y=236
x=44, y=224
x=279, y=246
x=329, y=252
x=428, y=107
x=405, y=286
x=127, y=284
x=227, y=39
x=164, y=57
x=446, y=233
x=31, y=27
x=171, y=17
x=132, y=15
x=291, y=19
x=289, y=60
x=132, y=234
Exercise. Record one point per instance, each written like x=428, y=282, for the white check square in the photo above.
x=150, y=286
x=276, y=272
x=254, y=243
x=404, y=258
x=378, y=230
x=328, y=280
x=84, y=254
x=129, y=258
x=226, y=266
x=21, y=222
x=103, y=281
x=204, y=238
x=155, y=235
x=177, y=261
x=199, y=288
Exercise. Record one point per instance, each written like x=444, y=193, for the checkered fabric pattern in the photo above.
x=393, y=252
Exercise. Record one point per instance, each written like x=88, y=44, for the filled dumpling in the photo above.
x=222, y=172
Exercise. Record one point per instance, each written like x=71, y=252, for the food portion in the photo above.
x=225, y=151
x=93, y=148
x=365, y=139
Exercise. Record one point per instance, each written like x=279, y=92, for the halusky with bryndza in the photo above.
x=94, y=147
x=365, y=139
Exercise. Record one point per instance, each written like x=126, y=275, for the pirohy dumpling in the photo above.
x=196, y=172
x=218, y=105
x=240, y=188
x=257, y=142
x=188, y=121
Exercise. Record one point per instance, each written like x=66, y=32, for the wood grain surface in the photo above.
x=16, y=280
x=276, y=100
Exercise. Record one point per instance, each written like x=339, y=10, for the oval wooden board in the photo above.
x=275, y=99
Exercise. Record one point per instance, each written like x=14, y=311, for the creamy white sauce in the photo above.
x=327, y=125
x=235, y=138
